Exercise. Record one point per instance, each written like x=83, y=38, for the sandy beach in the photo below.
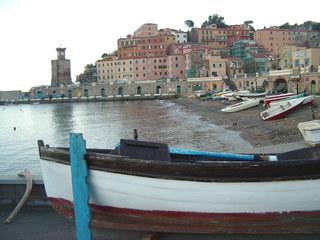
x=249, y=122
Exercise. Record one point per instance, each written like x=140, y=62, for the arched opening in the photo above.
x=39, y=95
x=86, y=94
x=120, y=91
x=69, y=94
x=214, y=86
x=313, y=87
x=54, y=94
x=280, y=85
x=139, y=90
x=103, y=92
x=178, y=90
x=158, y=90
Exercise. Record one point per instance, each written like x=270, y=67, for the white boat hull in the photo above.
x=152, y=194
x=310, y=131
x=242, y=105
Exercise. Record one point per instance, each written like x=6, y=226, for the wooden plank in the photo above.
x=79, y=171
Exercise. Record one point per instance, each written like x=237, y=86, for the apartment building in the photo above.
x=273, y=38
x=285, y=55
x=145, y=43
x=218, y=38
x=307, y=58
x=215, y=66
x=111, y=69
x=146, y=30
x=237, y=33
x=177, y=66
x=211, y=37
x=234, y=67
x=181, y=37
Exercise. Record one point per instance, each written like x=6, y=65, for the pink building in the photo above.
x=177, y=66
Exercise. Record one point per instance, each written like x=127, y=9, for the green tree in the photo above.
x=249, y=23
x=288, y=26
x=89, y=75
x=214, y=19
x=308, y=25
x=189, y=24
x=104, y=55
x=316, y=26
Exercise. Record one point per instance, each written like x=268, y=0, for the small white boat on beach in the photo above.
x=272, y=98
x=306, y=100
x=281, y=110
x=310, y=131
x=242, y=105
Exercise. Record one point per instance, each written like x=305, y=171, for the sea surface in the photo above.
x=102, y=125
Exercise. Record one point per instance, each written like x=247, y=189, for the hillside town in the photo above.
x=159, y=62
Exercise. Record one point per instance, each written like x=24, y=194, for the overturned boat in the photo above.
x=149, y=186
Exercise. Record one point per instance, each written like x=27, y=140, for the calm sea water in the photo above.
x=103, y=124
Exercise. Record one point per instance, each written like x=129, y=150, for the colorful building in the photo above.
x=273, y=38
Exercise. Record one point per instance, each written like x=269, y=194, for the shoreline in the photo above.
x=249, y=122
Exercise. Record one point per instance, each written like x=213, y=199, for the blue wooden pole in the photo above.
x=81, y=195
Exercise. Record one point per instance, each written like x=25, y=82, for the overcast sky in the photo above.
x=31, y=30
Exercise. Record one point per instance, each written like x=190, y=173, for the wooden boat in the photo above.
x=282, y=110
x=241, y=105
x=306, y=100
x=279, y=97
x=310, y=131
x=145, y=186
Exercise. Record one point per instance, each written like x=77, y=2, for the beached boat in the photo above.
x=279, y=97
x=282, y=110
x=241, y=105
x=310, y=131
x=148, y=186
x=306, y=100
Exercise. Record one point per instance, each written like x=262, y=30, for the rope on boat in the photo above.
x=26, y=194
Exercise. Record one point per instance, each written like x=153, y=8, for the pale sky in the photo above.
x=31, y=30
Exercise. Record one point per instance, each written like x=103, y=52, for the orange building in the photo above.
x=273, y=38
x=146, y=42
x=218, y=38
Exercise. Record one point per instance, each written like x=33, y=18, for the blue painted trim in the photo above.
x=222, y=155
x=81, y=195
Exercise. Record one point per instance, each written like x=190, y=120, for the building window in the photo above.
x=177, y=65
x=137, y=68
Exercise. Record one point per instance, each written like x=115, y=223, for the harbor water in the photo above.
x=102, y=125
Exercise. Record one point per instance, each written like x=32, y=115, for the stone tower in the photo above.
x=60, y=68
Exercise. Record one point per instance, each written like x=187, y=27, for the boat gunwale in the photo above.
x=213, y=171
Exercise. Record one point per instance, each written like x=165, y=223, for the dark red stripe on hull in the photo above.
x=191, y=222
x=281, y=115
